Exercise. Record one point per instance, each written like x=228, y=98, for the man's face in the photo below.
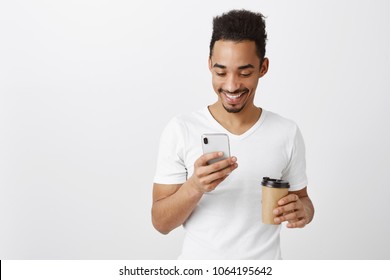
x=236, y=70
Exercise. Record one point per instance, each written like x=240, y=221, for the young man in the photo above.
x=219, y=204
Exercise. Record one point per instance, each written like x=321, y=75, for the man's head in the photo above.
x=236, y=60
x=238, y=26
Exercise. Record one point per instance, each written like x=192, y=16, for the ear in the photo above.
x=209, y=62
x=264, y=67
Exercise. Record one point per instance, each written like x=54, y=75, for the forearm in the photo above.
x=173, y=204
x=172, y=211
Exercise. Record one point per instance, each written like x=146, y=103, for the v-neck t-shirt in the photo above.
x=226, y=223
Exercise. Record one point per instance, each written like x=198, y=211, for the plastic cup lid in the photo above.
x=274, y=183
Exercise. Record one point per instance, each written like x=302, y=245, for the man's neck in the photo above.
x=236, y=123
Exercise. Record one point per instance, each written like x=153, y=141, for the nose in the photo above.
x=232, y=83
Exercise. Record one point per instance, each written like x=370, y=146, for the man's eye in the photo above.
x=246, y=74
x=220, y=74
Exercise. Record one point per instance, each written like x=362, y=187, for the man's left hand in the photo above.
x=291, y=209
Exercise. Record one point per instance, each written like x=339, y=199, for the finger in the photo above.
x=291, y=217
x=285, y=217
x=211, y=186
x=222, y=164
x=293, y=206
x=202, y=161
x=288, y=198
x=202, y=171
x=222, y=173
x=297, y=224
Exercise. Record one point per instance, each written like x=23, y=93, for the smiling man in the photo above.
x=219, y=204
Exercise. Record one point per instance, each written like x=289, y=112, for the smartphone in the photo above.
x=216, y=142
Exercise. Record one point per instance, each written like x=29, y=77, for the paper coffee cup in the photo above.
x=272, y=191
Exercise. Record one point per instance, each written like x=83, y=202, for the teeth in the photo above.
x=233, y=96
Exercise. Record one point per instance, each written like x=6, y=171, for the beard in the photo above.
x=234, y=109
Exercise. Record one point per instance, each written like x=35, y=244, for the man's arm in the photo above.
x=296, y=208
x=173, y=204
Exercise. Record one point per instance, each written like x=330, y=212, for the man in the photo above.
x=219, y=204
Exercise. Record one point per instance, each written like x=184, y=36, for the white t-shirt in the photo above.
x=226, y=223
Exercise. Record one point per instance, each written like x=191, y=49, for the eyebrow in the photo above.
x=219, y=66
x=239, y=68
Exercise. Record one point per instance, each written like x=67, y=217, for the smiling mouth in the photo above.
x=234, y=97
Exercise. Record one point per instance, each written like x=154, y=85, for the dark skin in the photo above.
x=236, y=70
x=296, y=209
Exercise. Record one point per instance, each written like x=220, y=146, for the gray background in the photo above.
x=87, y=87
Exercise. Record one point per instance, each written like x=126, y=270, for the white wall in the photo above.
x=86, y=88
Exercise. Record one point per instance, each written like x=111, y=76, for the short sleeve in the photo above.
x=170, y=161
x=295, y=171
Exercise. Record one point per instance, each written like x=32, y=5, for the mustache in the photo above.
x=237, y=91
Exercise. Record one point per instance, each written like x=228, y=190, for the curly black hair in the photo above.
x=240, y=25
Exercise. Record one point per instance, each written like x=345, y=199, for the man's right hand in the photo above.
x=173, y=204
x=206, y=176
